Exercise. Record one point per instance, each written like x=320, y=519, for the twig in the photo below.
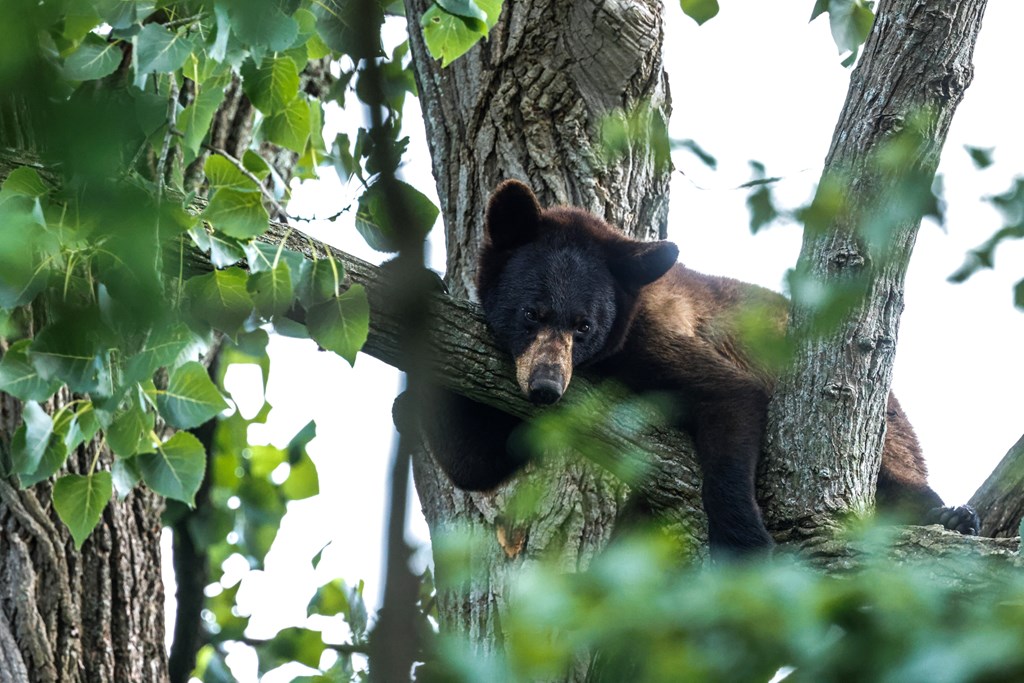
x=172, y=126
x=278, y=209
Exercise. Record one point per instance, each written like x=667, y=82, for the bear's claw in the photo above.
x=962, y=519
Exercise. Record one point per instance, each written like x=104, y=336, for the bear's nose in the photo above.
x=544, y=391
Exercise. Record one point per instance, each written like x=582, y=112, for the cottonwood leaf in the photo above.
x=237, y=213
x=272, y=85
x=220, y=299
x=195, y=119
x=221, y=172
x=337, y=24
x=31, y=438
x=341, y=324
x=71, y=352
x=166, y=346
x=262, y=24
x=376, y=215
x=290, y=127
x=18, y=377
x=700, y=10
x=303, y=480
x=128, y=434
x=319, y=280
x=176, y=469
x=467, y=9
x=271, y=290
x=23, y=181
x=190, y=398
x=94, y=58
x=158, y=49
x=850, y=22
x=79, y=501
x=448, y=36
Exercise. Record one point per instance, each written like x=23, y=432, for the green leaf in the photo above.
x=126, y=476
x=290, y=127
x=224, y=251
x=493, y=10
x=338, y=26
x=166, y=346
x=700, y=10
x=94, y=58
x=850, y=22
x=79, y=501
x=18, y=377
x=448, y=36
x=981, y=156
x=31, y=438
x=221, y=172
x=262, y=24
x=157, y=49
x=26, y=260
x=330, y=599
x=319, y=280
x=54, y=457
x=77, y=426
x=294, y=644
x=190, y=398
x=24, y=181
x=272, y=85
x=376, y=216
x=220, y=299
x=128, y=434
x=341, y=324
x=1018, y=295
x=237, y=213
x=303, y=480
x=40, y=446
x=176, y=469
x=271, y=290
x=71, y=352
x=195, y=119
x=467, y=9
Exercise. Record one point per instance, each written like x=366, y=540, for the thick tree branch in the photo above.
x=467, y=361
x=999, y=501
x=825, y=433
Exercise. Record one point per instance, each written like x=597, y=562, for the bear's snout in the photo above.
x=545, y=367
x=546, y=386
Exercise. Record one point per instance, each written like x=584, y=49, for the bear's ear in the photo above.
x=635, y=264
x=513, y=216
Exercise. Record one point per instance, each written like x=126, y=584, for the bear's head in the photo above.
x=559, y=286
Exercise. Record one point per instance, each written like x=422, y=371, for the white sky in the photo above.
x=757, y=82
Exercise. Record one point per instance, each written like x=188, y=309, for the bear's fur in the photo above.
x=562, y=289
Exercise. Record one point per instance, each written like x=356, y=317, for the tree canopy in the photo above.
x=150, y=150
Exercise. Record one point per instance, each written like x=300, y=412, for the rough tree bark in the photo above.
x=999, y=501
x=826, y=421
x=78, y=616
x=467, y=361
x=529, y=104
x=98, y=614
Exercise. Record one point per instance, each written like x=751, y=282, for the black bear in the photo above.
x=560, y=289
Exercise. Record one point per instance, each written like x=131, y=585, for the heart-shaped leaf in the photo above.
x=79, y=501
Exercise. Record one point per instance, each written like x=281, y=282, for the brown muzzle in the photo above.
x=545, y=368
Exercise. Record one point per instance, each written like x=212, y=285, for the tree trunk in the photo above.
x=90, y=615
x=998, y=501
x=528, y=103
x=826, y=418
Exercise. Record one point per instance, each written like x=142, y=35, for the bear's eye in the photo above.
x=530, y=315
x=583, y=327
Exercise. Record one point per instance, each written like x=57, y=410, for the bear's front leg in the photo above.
x=469, y=440
x=727, y=434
